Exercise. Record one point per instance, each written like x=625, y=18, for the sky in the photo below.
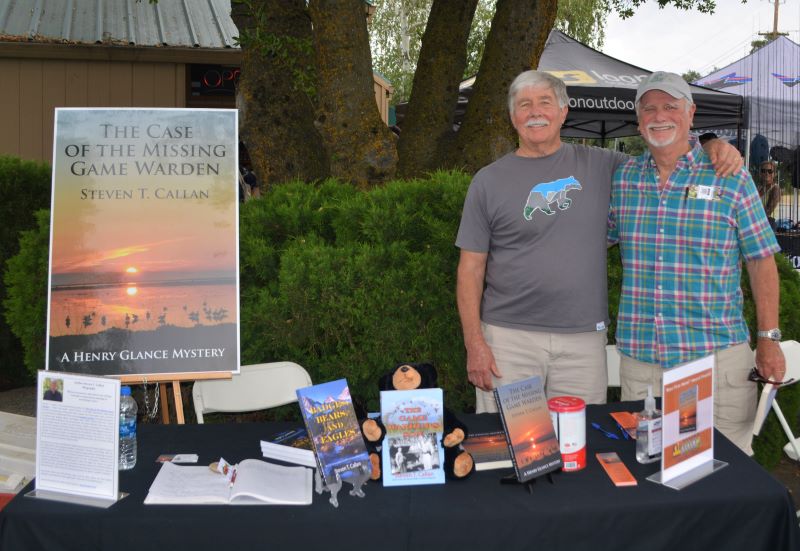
x=677, y=40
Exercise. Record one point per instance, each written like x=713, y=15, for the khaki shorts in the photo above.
x=570, y=364
x=734, y=395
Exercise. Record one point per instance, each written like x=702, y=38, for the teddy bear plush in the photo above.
x=411, y=376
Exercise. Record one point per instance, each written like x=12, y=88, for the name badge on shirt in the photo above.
x=708, y=193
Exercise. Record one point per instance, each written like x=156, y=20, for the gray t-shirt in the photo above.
x=542, y=222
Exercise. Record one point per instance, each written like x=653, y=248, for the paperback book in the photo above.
x=489, y=450
x=255, y=483
x=528, y=426
x=334, y=432
x=291, y=446
x=412, y=453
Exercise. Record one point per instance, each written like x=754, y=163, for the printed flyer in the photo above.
x=688, y=422
x=77, y=436
x=144, y=270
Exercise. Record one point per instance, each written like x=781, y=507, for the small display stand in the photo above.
x=512, y=479
x=688, y=478
x=76, y=499
x=687, y=428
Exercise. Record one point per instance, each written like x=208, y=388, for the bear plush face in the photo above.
x=409, y=377
x=406, y=378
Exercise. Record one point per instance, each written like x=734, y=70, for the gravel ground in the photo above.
x=21, y=401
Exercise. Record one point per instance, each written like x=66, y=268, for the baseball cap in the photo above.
x=672, y=84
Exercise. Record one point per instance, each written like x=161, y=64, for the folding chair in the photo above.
x=791, y=350
x=256, y=387
x=612, y=360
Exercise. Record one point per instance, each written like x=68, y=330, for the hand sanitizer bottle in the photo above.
x=648, y=431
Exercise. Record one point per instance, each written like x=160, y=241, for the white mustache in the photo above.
x=536, y=122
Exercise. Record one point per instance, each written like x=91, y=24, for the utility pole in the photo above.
x=774, y=34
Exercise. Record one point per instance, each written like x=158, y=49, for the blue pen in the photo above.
x=624, y=432
x=605, y=432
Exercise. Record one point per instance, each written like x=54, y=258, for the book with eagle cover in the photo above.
x=331, y=423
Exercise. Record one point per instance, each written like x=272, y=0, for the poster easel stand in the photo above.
x=176, y=379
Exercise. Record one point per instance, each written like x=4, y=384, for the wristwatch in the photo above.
x=771, y=334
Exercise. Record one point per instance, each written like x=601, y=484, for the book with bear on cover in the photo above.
x=333, y=428
x=412, y=452
x=256, y=483
x=529, y=429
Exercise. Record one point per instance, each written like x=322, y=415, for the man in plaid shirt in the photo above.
x=683, y=231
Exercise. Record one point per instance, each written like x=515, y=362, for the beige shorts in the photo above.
x=734, y=395
x=570, y=364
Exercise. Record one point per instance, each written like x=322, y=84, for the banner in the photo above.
x=144, y=270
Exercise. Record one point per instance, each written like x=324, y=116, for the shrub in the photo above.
x=347, y=283
x=24, y=188
x=26, y=280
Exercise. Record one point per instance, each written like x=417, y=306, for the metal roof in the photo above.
x=175, y=23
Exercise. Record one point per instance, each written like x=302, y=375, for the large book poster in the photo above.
x=144, y=242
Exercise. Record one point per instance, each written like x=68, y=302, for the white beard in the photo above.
x=660, y=142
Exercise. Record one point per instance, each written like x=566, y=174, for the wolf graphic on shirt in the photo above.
x=543, y=195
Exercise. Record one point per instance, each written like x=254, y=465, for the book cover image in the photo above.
x=144, y=271
x=412, y=452
x=489, y=450
x=687, y=428
x=529, y=428
x=331, y=422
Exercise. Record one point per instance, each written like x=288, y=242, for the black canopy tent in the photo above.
x=602, y=90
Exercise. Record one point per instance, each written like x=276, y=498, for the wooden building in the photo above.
x=114, y=53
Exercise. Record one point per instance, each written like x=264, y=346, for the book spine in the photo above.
x=501, y=410
x=313, y=441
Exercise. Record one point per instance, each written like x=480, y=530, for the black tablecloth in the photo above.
x=739, y=507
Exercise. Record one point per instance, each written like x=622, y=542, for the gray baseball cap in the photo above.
x=672, y=84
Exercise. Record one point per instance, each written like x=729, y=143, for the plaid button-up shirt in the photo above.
x=681, y=255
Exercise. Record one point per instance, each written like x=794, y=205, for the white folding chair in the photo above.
x=612, y=361
x=256, y=387
x=791, y=351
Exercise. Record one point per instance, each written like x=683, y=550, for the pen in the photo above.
x=233, y=476
x=605, y=432
x=624, y=432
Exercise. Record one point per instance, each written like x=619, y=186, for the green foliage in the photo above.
x=397, y=27
x=347, y=283
x=366, y=281
x=26, y=281
x=626, y=8
x=768, y=445
x=24, y=188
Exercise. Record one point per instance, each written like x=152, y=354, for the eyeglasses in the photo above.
x=767, y=171
x=756, y=377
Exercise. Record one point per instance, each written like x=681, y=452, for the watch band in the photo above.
x=772, y=334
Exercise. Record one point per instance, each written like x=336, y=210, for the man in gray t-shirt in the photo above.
x=532, y=290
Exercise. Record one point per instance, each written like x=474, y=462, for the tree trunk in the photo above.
x=276, y=111
x=428, y=124
x=361, y=148
x=515, y=43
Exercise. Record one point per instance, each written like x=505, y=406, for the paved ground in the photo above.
x=22, y=401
